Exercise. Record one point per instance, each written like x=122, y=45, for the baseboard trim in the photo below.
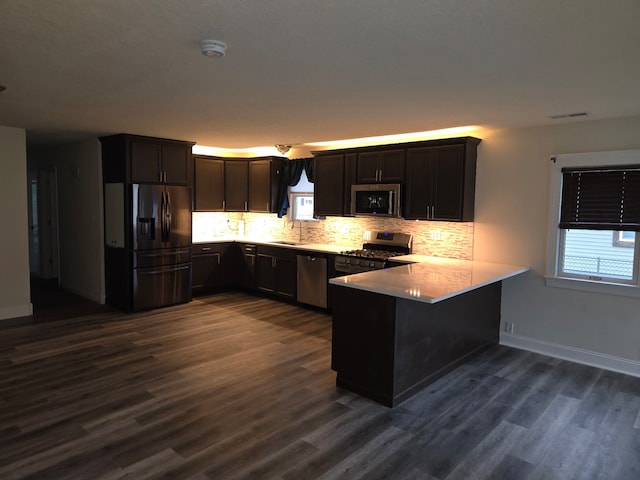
x=577, y=355
x=16, y=311
x=93, y=296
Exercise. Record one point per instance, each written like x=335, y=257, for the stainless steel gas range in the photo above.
x=377, y=249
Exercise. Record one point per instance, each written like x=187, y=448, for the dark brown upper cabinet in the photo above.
x=333, y=177
x=265, y=175
x=209, y=184
x=383, y=166
x=138, y=159
x=440, y=181
x=236, y=185
x=437, y=177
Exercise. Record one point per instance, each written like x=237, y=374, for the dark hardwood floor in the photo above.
x=235, y=386
x=50, y=302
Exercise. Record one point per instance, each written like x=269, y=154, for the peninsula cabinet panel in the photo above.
x=383, y=166
x=209, y=184
x=236, y=185
x=387, y=349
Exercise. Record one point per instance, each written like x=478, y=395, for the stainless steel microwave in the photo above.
x=378, y=199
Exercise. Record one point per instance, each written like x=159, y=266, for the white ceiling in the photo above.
x=301, y=71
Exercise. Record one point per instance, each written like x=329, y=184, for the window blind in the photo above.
x=601, y=198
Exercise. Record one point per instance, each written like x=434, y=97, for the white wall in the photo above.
x=80, y=218
x=15, y=294
x=512, y=201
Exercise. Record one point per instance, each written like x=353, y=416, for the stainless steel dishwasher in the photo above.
x=312, y=280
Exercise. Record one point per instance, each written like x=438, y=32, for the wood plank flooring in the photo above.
x=235, y=386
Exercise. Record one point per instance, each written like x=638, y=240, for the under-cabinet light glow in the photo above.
x=236, y=152
x=352, y=142
x=398, y=138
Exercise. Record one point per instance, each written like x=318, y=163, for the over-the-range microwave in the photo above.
x=378, y=199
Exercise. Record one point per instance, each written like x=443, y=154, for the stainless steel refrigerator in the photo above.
x=161, y=245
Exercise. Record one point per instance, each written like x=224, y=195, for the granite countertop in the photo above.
x=431, y=280
x=313, y=247
x=424, y=278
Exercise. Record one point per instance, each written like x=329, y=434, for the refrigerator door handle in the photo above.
x=163, y=221
x=168, y=196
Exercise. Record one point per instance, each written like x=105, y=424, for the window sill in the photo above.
x=594, y=287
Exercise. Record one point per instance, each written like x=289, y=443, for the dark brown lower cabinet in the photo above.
x=245, y=266
x=276, y=271
x=387, y=348
x=210, y=266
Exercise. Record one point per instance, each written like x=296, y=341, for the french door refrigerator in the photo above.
x=161, y=245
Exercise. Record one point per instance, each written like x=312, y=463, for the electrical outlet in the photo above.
x=435, y=235
x=508, y=327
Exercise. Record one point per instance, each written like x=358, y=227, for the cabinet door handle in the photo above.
x=205, y=249
x=268, y=209
x=245, y=205
x=224, y=204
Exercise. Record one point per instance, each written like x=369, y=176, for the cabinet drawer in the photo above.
x=204, y=248
x=289, y=253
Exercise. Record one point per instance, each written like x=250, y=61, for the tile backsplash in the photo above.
x=440, y=239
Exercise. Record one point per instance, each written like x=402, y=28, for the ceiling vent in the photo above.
x=213, y=48
x=568, y=115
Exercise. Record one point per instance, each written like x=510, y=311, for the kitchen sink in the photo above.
x=286, y=242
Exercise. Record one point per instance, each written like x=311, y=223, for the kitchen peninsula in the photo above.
x=398, y=329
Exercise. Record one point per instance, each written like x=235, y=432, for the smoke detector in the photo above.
x=213, y=48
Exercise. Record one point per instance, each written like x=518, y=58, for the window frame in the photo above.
x=554, y=277
x=619, y=241
x=293, y=196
